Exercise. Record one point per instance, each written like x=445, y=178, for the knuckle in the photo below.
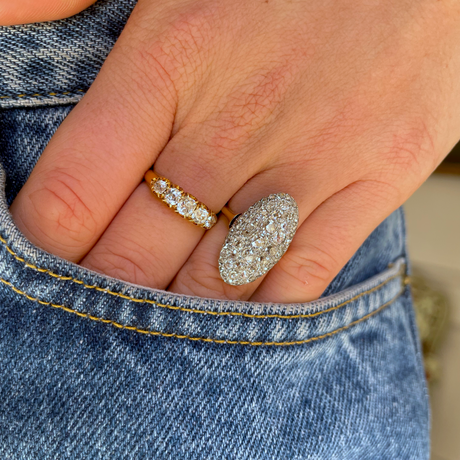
x=188, y=36
x=124, y=265
x=59, y=210
x=149, y=75
x=179, y=48
x=203, y=279
x=409, y=150
x=250, y=107
x=309, y=270
x=199, y=278
x=205, y=162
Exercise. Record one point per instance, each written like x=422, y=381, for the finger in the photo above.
x=326, y=241
x=209, y=157
x=99, y=154
x=27, y=11
x=136, y=247
x=200, y=274
x=147, y=243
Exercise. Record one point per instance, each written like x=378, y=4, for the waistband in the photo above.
x=54, y=63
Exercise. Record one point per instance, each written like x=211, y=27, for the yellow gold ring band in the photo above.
x=181, y=202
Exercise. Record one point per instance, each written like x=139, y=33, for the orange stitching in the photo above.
x=190, y=310
x=44, y=95
x=201, y=339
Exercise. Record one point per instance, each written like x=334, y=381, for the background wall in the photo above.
x=433, y=220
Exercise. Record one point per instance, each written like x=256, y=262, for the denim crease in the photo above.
x=92, y=367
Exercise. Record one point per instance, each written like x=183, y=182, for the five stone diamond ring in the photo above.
x=181, y=202
x=257, y=238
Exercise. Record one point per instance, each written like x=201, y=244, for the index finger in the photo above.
x=99, y=154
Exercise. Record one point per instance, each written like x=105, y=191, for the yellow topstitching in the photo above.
x=190, y=310
x=44, y=95
x=201, y=339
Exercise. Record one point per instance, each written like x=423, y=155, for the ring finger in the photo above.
x=200, y=274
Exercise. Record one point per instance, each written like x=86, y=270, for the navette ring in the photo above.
x=180, y=201
x=257, y=238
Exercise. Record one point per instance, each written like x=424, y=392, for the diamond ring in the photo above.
x=181, y=202
x=258, y=238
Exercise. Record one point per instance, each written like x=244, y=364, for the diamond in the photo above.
x=200, y=215
x=262, y=260
x=212, y=219
x=271, y=227
x=249, y=258
x=160, y=186
x=186, y=206
x=172, y=196
x=279, y=238
x=259, y=243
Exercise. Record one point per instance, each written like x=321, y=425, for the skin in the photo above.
x=22, y=11
x=346, y=106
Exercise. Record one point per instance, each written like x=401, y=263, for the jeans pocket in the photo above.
x=95, y=368
x=92, y=367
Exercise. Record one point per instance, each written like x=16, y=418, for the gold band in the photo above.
x=181, y=202
x=229, y=214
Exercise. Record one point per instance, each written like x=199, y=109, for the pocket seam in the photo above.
x=184, y=309
x=206, y=339
x=53, y=94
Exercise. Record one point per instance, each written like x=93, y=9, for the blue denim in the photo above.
x=95, y=368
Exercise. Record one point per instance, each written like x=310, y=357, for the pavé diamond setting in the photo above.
x=181, y=202
x=258, y=238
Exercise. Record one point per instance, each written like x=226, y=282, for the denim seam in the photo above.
x=42, y=95
x=205, y=339
x=190, y=310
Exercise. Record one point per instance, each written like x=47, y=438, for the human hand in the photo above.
x=346, y=107
x=25, y=11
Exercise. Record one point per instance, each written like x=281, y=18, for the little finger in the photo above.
x=326, y=241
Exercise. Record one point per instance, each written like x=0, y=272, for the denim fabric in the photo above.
x=55, y=62
x=96, y=368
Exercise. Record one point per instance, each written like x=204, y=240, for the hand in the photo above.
x=348, y=107
x=24, y=11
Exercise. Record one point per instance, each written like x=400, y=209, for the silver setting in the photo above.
x=258, y=238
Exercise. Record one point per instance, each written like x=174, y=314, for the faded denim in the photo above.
x=95, y=368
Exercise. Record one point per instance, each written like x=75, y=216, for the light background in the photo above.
x=433, y=221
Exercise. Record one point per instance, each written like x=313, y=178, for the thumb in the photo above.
x=26, y=11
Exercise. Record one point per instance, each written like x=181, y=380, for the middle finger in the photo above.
x=200, y=275
x=147, y=243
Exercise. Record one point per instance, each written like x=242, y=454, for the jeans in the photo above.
x=96, y=368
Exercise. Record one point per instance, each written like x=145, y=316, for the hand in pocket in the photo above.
x=348, y=108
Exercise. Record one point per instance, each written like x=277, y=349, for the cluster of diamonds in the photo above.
x=183, y=203
x=258, y=239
